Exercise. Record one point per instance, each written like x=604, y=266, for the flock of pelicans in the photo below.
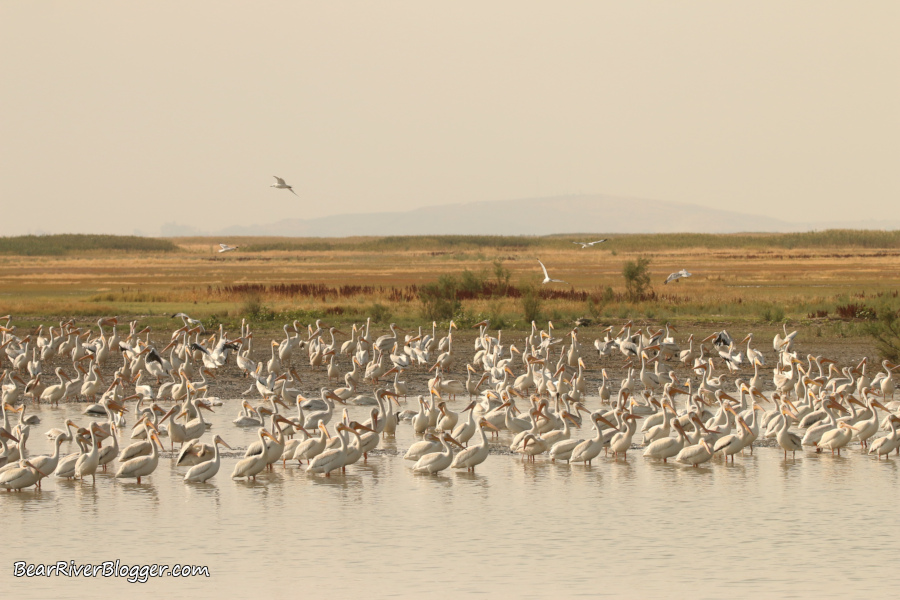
x=536, y=389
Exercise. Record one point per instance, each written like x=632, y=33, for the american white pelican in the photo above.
x=788, y=441
x=755, y=357
x=429, y=444
x=420, y=420
x=187, y=432
x=473, y=456
x=355, y=448
x=226, y=248
x=332, y=459
x=666, y=448
x=662, y=430
x=438, y=461
x=205, y=470
x=448, y=419
x=88, y=462
x=311, y=447
x=547, y=278
x=621, y=441
x=562, y=450
x=786, y=343
x=193, y=453
x=558, y=435
x=696, y=454
x=22, y=476
x=46, y=463
x=109, y=453
x=54, y=393
x=141, y=466
x=866, y=428
x=323, y=416
x=837, y=438
x=245, y=418
x=465, y=430
x=883, y=445
x=272, y=449
x=65, y=468
x=588, y=244
x=281, y=185
x=676, y=276
x=731, y=444
x=532, y=445
x=587, y=450
x=251, y=466
x=139, y=448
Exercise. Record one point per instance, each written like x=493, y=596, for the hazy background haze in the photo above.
x=118, y=117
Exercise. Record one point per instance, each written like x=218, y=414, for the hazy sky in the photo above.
x=117, y=116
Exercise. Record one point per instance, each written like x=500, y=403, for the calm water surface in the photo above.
x=820, y=525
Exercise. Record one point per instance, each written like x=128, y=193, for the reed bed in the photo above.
x=55, y=245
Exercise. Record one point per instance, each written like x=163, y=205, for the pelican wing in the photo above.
x=546, y=275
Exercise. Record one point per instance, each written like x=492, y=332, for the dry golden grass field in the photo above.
x=828, y=278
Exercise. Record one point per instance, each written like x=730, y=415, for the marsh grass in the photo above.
x=770, y=279
x=56, y=245
x=453, y=245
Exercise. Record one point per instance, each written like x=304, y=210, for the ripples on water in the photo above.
x=820, y=525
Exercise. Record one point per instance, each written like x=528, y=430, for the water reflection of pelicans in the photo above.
x=535, y=391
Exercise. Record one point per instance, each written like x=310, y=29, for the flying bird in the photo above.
x=188, y=321
x=589, y=244
x=547, y=278
x=676, y=276
x=281, y=185
x=227, y=248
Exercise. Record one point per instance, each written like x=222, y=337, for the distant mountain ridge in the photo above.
x=530, y=216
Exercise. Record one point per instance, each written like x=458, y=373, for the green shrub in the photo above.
x=773, y=314
x=531, y=303
x=637, y=278
x=502, y=276
x=885, y=330
x=439, y=301
x=380, y=313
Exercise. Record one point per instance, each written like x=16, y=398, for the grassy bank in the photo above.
x=833, y=278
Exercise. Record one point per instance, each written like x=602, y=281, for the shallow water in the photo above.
x=818, y=525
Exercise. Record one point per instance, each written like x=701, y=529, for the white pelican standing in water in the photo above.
x=438, y=461
x=587, y=450
x=430, y=443
x=473, y=456
x=547, y=278
x=109, y=453
x=205, y=470
x=47, y=463
x=668, y=447
x=311, y=447
x=696, y=454
x=251, y=466
x=88, y=462
x=333, y=459
x=788, y=441
x=24, y=475
x=883, y=445
x=245, y=418
x=281, y=185
x=837, y=438
x=141, y=466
